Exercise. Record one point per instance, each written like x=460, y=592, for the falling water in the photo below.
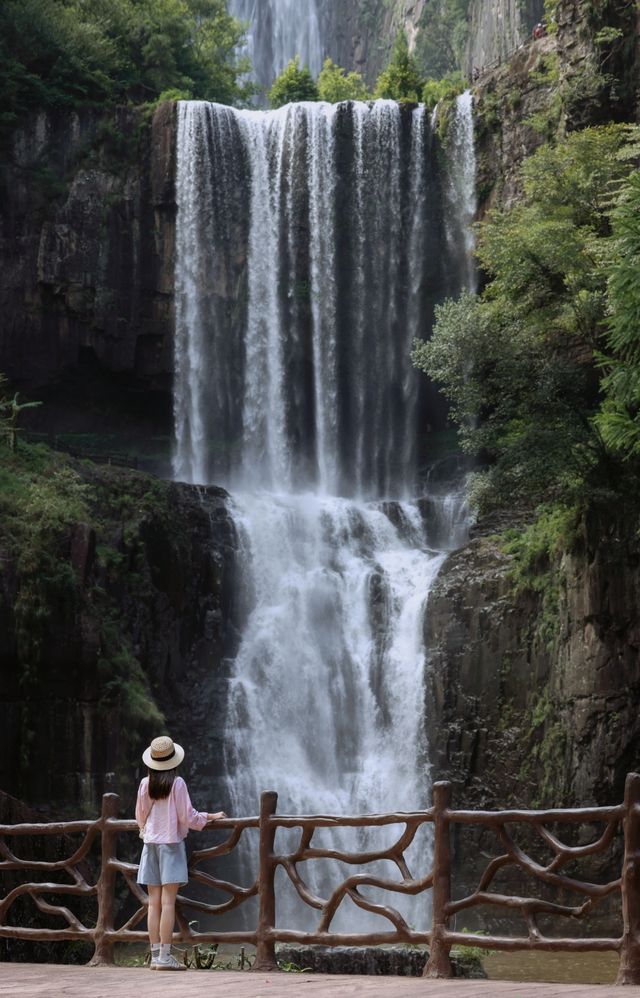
x=305, y=249
x=461, y=191
x=278, y=31
x=311, y=244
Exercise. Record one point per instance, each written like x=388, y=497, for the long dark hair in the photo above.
x=160, y=782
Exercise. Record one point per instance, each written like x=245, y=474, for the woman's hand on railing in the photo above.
x=216, y=816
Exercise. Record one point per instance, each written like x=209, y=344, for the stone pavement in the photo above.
x=54, y=981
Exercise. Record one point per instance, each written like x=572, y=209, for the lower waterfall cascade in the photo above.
x=311, y=245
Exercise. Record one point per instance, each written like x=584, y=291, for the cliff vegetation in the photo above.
x=71, y=53
x=106, y=578
x=532, y=628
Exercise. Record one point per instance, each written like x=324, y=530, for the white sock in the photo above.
x=165, y=951
x=155, y=949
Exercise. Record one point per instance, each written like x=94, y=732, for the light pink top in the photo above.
x=171, y=817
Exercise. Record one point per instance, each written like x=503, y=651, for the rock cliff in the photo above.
x=86, y=258
x=361, y=32
x=112, y=628
x=497, y=29
x=532, y=701
x=569, y=79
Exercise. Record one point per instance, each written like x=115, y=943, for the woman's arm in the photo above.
x=187, y=813
x=141, y=807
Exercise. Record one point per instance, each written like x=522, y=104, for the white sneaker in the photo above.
x=170, y=963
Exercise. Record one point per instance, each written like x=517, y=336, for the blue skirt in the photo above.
x=163, y=863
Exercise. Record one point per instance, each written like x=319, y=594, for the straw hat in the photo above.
x=163, y=753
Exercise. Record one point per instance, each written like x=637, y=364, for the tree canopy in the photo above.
x=402, y=79
x=335, y=84
x=519, y=362
x=295, y=83
x=619, y=418
x=74, y=52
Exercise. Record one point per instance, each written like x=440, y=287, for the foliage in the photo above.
x=52, y=503
x=10, y=409
x=518, y=362
x=619, y=418
x=554, y=531
x=66, y=53
x=295, y=83
x=536, y=551
x=125, y=685
x=47, y=501
x=546, y=72
x=402, y=79
x=442, y=37
x=5, y=420
x=547, y=734
x=335, y=84
x=447, y=89
x=608, y=35
x=551, y=16
x=583, y=90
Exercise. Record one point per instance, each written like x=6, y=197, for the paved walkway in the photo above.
x=52, y=981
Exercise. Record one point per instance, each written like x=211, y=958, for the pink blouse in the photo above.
x=170, y=818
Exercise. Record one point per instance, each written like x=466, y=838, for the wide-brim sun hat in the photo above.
x=163, y=753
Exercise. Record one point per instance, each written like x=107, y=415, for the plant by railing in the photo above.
x=440, y=937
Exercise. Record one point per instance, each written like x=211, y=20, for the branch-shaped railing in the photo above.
x=72, y=880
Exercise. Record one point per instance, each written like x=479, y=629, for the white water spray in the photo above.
x=309, y=243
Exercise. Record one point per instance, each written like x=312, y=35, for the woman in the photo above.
x=165, y=814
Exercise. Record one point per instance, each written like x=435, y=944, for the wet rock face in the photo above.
x=86, y=246
x=156, y=576
x=518, y=719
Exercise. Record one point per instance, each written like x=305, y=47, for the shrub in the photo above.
x=295, y=83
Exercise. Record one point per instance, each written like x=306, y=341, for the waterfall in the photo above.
x=278, y=31
x=461, y=191
x=311, y=245
x=304, y=254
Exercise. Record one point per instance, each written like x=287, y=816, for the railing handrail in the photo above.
x=580, y=814
x=440, y=938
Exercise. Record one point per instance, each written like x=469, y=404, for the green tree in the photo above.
x=401, y=80
x=517, y=363
x=335, y=84
x=448, y=88
x=295, y=83
x=619, y=416
x=57, y=53
x=10, y=410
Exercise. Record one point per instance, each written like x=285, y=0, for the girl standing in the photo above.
x=165, y=814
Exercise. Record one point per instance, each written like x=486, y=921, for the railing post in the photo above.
x=438, y=964
x=265, y=946
x=629, y=972
x=103, y=955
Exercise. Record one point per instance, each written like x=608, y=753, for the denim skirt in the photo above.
x=163, y=863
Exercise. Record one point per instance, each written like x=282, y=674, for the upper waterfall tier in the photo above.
x=279, y=30
x=311, y=246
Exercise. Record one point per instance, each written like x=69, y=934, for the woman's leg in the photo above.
x=153, y=914
x=168, y=915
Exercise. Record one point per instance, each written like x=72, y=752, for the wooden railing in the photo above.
x=440, y=937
